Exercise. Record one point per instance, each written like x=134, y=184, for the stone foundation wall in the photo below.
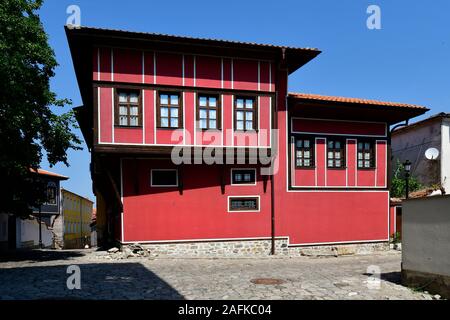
x=218, y=248
x=339, y=249
x=262, y=247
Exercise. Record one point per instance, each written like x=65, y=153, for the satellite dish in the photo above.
x=432, y=153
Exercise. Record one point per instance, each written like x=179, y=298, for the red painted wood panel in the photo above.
x=95, y=62
x=245, y=74
x=208, y=72
x=264, y=120
x=127, y=65
x=169, y=136
x=336, y=177
x=152, y=214
x=189, y=70
x=351, y=162
x=106, y=114
x=128, y=135
x=149, y=118
x=338, y=127
x=381, y=163
x=264, y=76
x=149, y=67
x=242, y=138
x=227, y=106
x=105, y=64
x=169, y=68
x=315, y=217
x=189, y=116
x=321, y=161
x=227, y=73
x=304, y=177
x=366, y=177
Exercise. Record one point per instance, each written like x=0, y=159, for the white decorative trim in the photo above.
x=163, y=186
x=154, y=117
x=121, y=199
x=247, y=196
x=112, y=115
x=242, y=184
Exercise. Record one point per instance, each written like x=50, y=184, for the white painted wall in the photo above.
x=29, y=231
x=426, y=235
x=445, y=155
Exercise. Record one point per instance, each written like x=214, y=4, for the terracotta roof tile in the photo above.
x=308, y=96
x=48, y=173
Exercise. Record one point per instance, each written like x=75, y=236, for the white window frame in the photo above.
x=242, y=184
x=239, y=196
x=163, y=186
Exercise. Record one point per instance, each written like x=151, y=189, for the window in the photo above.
x=208, y=112
x=128, y=109
x=366, y=157
x=51, y=194
x=164, y=178
x=245, y=114
x=243, y=204
x=169, y=112
x=335, y=154
x=243, y=176
x=304, y=152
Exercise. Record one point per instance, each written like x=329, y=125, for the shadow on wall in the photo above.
x=103, y=281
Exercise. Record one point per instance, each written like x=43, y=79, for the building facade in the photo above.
x=28, y=232
x=412, y=141
x=197, y=145
x=72, y=228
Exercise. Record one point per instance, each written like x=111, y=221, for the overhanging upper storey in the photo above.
x=343, y=108
x=153, y=90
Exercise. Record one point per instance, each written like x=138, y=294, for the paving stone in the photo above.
x=224, y=278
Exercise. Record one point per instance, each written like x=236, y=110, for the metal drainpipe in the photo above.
x=272, y=209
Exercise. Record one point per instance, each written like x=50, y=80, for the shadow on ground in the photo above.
x=38, y=255
x=98, y=281
x=393, y=277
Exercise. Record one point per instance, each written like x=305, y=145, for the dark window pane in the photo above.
x=164, y=178
x=244, y=204
x=243, y=176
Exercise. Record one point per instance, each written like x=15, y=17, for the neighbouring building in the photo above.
x=410, y=143
x=72, y=229
x=315, y=169
x=23, y=233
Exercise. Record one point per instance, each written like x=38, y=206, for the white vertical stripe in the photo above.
x=195, y=71
x=143, y=115
x=270, y=76
x=98, y=114
x=143, y=67
x=184, y=111
x=221, y=111
x=112, y=113
x=182, y=73
x=232, y=75
x=259, y=121
x=154, y=69
x=221, y=72
x=98, y=64
x=195, y=118
x=112, y=64
x=154, y=116
x=232, y=119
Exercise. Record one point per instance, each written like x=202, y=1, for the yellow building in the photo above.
x=76, y=220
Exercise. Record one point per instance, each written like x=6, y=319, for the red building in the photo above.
x=151, y=100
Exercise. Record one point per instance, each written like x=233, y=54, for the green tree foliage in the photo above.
x=28, y=124
x=398, y=183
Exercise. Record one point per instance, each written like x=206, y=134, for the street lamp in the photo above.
x=407, y=167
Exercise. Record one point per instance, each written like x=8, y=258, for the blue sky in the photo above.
x=408, y=60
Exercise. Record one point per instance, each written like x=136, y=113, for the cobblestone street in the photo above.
x=43, y=275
